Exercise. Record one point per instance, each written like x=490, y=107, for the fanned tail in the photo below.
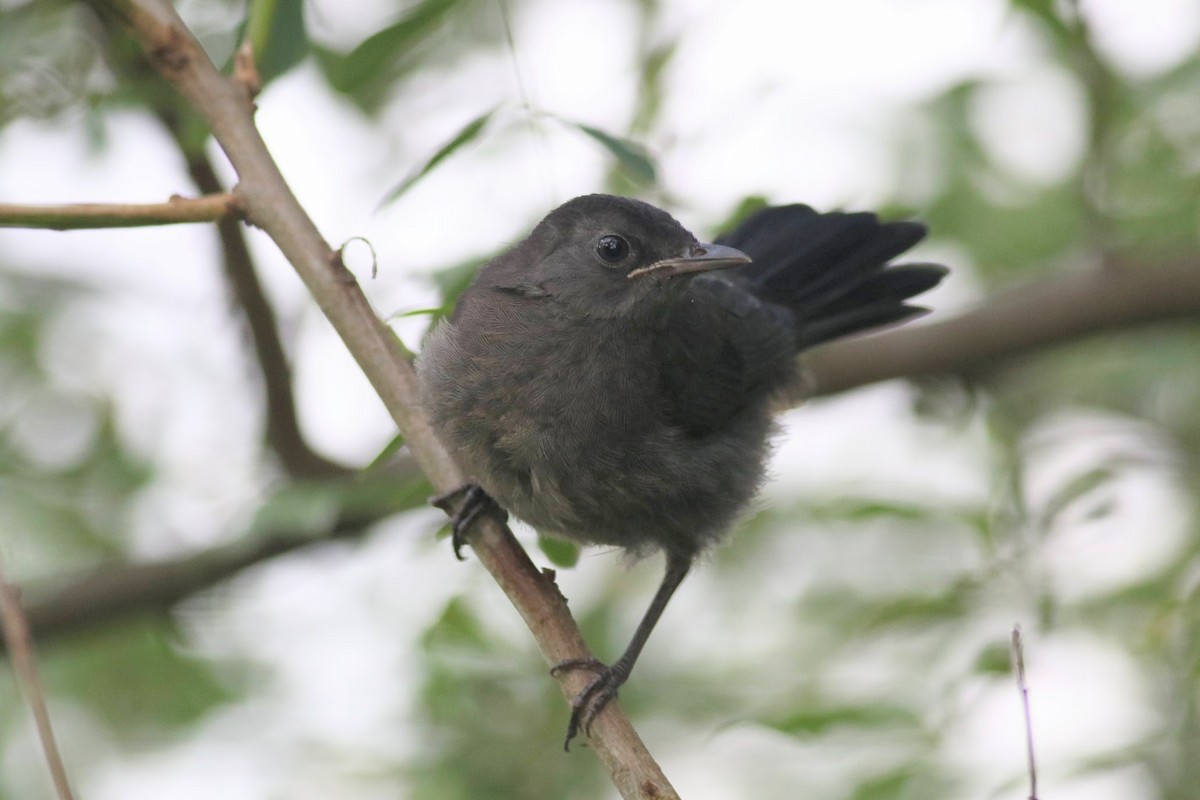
x=831, y=271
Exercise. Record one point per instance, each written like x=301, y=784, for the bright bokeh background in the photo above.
x=851, y=641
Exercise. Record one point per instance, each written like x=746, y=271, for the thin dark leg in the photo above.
x=475, y=501
x=592, y=700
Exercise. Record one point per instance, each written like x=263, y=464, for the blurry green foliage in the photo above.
x=138, y=678
x=275, y=29
x=428, y=33
x=75, y=505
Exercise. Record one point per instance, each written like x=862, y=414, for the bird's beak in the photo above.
x=698, y=258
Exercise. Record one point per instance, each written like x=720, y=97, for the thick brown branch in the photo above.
x=111, y=593
x=81, y=216
x=270, y=204
x=1007, y=326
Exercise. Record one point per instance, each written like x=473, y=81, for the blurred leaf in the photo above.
x=278, y=35
x=382, y=491
x=741, y=211
x=467, y=134
x=560, y=552
x=1075, y=490
x=453, y=281
x=1045, y=12
x=304, y=508
x=811, y=721
x=456, y=626
x=653, y=68
x=994, y=659
x=385, y=455
x=854, y=509
x=921, y=610
x=419, y=312
x=136, y=677
x=365, y=73
x=910, y=782
x=632, y=156
x=1008, y=226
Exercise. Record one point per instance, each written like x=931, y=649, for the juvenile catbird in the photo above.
x=608, y=379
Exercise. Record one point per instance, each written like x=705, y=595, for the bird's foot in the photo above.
x=586, y=705
x=475, y=501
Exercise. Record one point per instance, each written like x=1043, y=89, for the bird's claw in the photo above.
x=588, y=704
x=475, y=501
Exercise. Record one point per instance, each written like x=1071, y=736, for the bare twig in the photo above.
x=24, y=661
x=1018, y=658
x=270, y=204
x=80, y=216
x=245, y=69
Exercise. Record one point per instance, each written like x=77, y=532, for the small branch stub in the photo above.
x=245, y=70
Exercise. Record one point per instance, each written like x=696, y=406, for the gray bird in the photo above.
x=608, y=379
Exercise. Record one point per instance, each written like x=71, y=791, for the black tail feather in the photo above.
x=830, y=271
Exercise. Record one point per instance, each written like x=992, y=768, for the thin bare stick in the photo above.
x=20, y=652
x=82, y=216
x=1018, y=658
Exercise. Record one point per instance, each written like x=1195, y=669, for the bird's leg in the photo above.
x=586, y=705
x=475, y=501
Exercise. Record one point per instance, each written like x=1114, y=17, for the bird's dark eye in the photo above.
x=612, y=248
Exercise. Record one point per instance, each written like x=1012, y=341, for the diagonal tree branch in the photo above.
x=108, y=593
x=269, y=203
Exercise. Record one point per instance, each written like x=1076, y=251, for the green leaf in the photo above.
x=453, y=281
x=303, y=508
x=909, y=781
x=276, y=31
x=365, y=72
x=1076, y=489
x=1044, y=12
x=465, y=135
x=744, y=209
x=457, y=626
x=994, y=659
x=816, y=721
x=387, y=452
x=171, y=689
x=632, y=156
x=561, y=553
x=419, y=312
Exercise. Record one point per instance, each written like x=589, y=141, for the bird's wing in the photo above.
x=722, y=350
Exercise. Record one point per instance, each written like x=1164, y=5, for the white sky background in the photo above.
x=799, y=101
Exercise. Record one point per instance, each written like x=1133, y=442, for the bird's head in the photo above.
x=605, y=256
